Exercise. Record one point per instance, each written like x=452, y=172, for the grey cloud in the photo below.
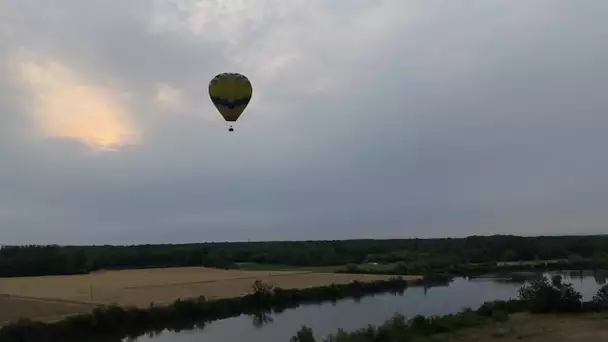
x=441, y=119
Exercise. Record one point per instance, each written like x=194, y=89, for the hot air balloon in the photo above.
x=230, y=93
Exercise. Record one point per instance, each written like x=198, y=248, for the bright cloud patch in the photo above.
x=65, y=106
x=168, y=96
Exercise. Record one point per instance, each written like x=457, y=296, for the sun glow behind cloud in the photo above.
x=66, y=107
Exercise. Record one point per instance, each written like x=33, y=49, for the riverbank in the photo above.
x=49, y=297
x=473, y=326
x=543, y=297
x=114, y=323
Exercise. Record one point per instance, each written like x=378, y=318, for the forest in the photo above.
x=418, y=254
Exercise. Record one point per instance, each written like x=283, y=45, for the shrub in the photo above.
x=262, y=289
x=401, y=267
x=542, y=296
x=500, y=316
x=601, y=295
x=352, y=268
x=304, y=335
x=600, y=300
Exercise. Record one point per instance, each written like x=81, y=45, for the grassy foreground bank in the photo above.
x=114, y=323
x=588, y=327
x=537, y=328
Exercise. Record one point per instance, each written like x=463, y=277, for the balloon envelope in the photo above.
x=230, y=93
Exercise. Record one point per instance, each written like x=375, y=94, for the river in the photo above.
x=326, y=318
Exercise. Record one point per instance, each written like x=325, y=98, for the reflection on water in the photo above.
x=261, y=319
x=580, y=276
x=353, y=314
x=598, y=276
x=520, y=278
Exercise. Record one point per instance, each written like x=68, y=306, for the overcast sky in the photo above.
x=370, y=119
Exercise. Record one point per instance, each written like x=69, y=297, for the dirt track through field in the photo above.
x=37, y=297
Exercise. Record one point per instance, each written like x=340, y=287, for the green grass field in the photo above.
x=378, y=267
x=251, y=266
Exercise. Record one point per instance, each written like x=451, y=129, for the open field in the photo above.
x=538, y=328
x=37, y=297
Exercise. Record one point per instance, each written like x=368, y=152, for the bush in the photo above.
x=304, y=335
x=486, y=309
x=601, y=298
x=542, y=296
x=352, y=268
x=601, y=295
x=401, y=267
x=419, y=323
x=262, y=289
x=500, y=316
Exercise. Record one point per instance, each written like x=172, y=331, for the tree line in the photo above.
x=430, y=254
